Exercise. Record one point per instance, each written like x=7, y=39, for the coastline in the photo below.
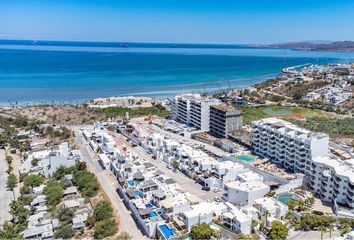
x=38, y=77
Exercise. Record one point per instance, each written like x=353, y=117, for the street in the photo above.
x=109, y=185
x=5, y=195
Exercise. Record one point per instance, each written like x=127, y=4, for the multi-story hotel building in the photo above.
x=286, y=144
x=333, y=180
x=193, y=110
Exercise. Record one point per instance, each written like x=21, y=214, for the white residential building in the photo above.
x=270, y=208
x=203, y=213
x=173, y=206
x=249, y=176
x=287, y=144
x=237, y=221
x=193, y=109
x=333, y=180
x=311, y=96
x=200, y=112
x=244, y=193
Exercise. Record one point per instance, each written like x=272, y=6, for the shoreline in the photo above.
x=158, y=95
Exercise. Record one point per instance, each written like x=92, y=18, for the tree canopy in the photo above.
x=201, y=231
x=103, y=210
x=11, y=182
x=33, y=180
x=64, y=232
x=54, y=192
x=87, y=183
x=278, y=231
x=105, y=228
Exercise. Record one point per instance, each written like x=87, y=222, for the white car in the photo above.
x=216, y=190
x=169, y=166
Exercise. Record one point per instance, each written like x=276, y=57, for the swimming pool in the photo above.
x=137, y=192
x=245, y=158
x=153, y=214
x=285, y=198
x=149, y=205
x=168, y=232
x=131, y=182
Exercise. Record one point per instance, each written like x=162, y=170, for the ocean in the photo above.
x=73, y=72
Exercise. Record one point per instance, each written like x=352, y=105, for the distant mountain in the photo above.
x=315, y=45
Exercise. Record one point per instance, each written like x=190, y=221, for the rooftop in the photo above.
x=344, y=168
x=225, y=108
x=247, y=186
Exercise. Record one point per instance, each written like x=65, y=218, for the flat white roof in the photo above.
x=344, y=168
x=247, y=186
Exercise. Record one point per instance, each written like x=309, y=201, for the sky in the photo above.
x=178, y=21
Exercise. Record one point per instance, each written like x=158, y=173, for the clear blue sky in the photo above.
x=217, y=21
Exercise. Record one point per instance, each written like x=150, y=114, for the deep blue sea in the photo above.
x=69, y=72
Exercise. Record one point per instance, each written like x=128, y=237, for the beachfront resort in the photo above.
x=210, y=169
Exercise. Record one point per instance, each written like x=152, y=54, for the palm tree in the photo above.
x=301, y=205
x=254, y=225
x=266, y=214
x=323, y=230
x=330, y=228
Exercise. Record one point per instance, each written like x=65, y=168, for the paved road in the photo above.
x=109, y=185
x=185, y=182
x=5, y=195
x=311, y=235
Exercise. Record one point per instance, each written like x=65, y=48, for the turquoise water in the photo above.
x=131, y=182
x=245, y=158
x=149, y=205
x=168, y=232
x=77, y=73
x=137, y=193
x=153, y=214
x=285, y=198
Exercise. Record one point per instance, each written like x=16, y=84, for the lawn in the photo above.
x=256, y=113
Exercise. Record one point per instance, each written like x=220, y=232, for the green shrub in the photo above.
x=64, y=232
x=33, y=180
x=54, y=192
x=105, y=228
x=103, y=210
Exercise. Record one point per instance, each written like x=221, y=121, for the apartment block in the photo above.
x=193, y=110
x=287, y=144
x=244, y=193
x=333, y=180
x=270, y=209
x=224, y=119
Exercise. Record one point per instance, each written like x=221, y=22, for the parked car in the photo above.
x=153, y=157
x=206, y=188
x=169, y=166
x=217, y=199
x=175, y=170
x=216, y=190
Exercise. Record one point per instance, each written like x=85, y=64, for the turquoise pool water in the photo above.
x=131, y=182
x=153, y=214
x=245, y=158
x=168, y=232
x=149, y=205
x=285, y=198
x=137, y=193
